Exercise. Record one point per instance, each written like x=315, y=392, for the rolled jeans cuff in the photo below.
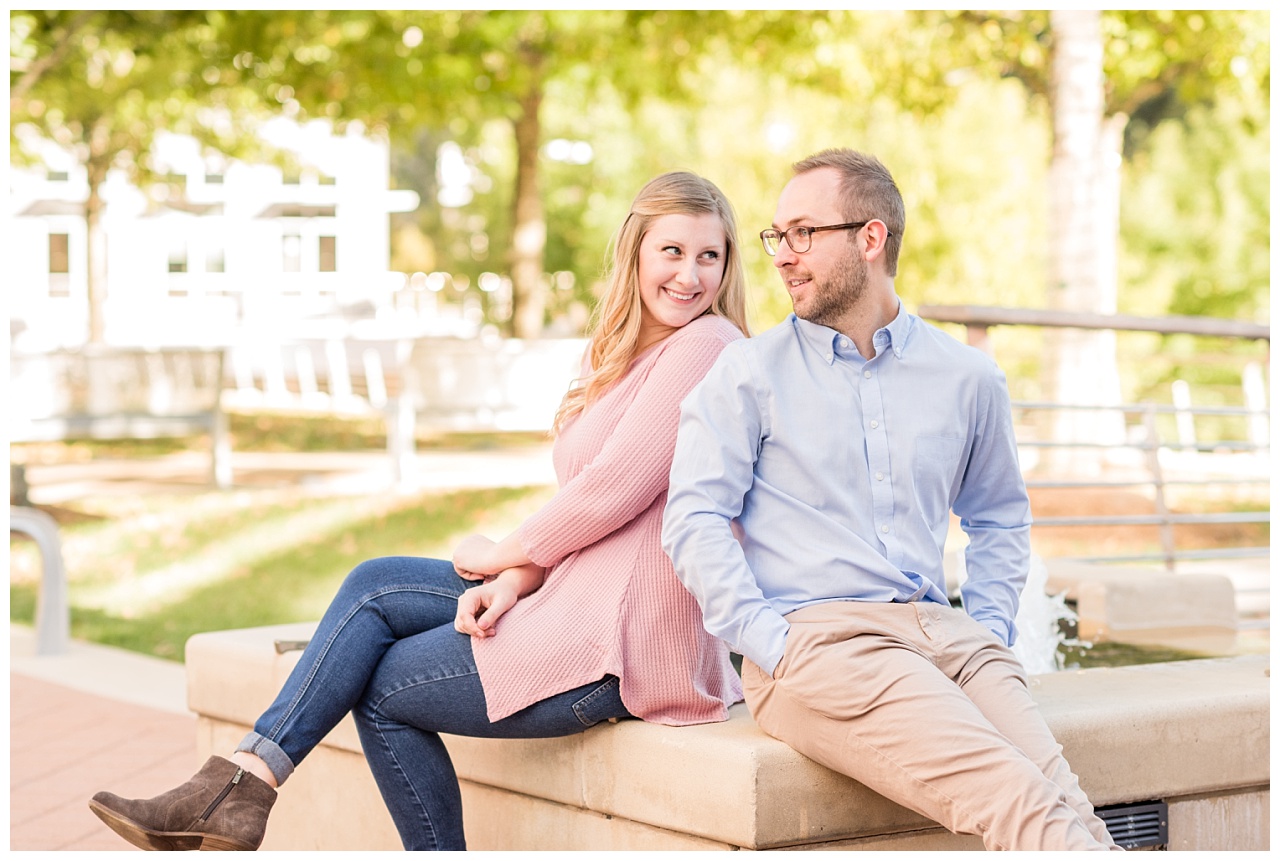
x=270, y=753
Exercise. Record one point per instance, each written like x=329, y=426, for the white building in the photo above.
x=225, y=250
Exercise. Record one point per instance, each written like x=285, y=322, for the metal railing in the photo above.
x=1149, y=446
x=1144, y=459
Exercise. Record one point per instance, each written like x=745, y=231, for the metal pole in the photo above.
x=1157, y=480
x=53, y=613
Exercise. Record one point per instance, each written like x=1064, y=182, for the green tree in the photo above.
x=102, y=84
x=454, y=71
x=1138, y=68
x=1154, y=66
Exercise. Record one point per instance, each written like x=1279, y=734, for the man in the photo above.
x=834, y=447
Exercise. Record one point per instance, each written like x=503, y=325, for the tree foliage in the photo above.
x=103, y=84
x=953, y=101
x=1157, y=61
x=457, y=71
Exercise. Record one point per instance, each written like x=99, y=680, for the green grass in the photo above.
x=147, y=572
x=163, y=568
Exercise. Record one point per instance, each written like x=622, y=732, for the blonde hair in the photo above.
x=616, y=321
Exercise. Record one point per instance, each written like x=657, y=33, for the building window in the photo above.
x=59, y=265
x=178, y=257
x=216, y=260
x=328, y=254
x=213, y=179
x=298, y=210
x=178, y=267
x=58, y=176
x=291, y=249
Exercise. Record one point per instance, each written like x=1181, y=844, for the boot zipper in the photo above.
x=226, y=790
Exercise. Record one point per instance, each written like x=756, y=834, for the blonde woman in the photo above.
x=575, y=618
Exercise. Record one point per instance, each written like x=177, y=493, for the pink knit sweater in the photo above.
x=611, y=603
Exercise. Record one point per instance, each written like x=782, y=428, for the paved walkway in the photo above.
x=94, y=718
x=318, y=472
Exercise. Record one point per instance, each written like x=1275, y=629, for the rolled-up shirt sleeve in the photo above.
x=722, y=423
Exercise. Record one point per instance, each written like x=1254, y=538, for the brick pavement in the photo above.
x=66, y=744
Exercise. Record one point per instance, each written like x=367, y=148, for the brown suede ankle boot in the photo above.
x=221, y=807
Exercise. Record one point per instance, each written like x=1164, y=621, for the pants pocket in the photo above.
x=603, y=702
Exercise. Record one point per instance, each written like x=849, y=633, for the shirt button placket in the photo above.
x=878, y=460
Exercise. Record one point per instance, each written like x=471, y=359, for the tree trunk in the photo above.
x=96, y=250
x=1080, y=366
x=529, y=226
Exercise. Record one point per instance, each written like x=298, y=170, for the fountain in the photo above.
x=1038, y=621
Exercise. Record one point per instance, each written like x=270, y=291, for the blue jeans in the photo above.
x=386, y=651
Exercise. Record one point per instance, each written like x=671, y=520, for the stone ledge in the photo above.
x=1145, y=606
x=1132, y=733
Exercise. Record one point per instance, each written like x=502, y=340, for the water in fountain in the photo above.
x=1039, y=633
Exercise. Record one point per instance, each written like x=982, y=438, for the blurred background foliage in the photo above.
x=552, y=121
x=557, y=118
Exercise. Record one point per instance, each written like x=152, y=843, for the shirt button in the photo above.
x=879, y=476
x=884, y=528
x=874, y=424
x=844, y=343
x=866, y=374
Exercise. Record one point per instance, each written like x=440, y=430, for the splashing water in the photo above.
x=1039, y=633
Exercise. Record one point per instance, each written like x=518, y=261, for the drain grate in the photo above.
x=1137, y=826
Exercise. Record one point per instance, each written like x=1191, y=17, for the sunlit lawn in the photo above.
x=147, y=572
x=150, y=576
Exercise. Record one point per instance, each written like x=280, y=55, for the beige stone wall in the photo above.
x=1238, y=821
x=1194, y=733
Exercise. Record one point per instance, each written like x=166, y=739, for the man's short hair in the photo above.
x=867, y=191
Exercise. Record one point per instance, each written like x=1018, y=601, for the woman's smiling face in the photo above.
x=682, y=259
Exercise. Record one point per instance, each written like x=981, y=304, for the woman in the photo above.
x=578, y=616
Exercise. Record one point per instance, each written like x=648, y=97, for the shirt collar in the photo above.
x=897, y=332
x=823, y=340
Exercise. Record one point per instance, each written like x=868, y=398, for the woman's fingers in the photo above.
x=470, y=607
x=480, y=608
x=502, y=601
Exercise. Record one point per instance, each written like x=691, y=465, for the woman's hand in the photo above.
x=480, y=607
x=471, y=558
x=479, y=558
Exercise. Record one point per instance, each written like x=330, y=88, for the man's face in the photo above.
x=826, y=281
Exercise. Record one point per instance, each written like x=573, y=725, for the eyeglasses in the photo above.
x=799, y=239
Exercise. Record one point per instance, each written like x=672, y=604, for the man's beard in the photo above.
x=833, y=297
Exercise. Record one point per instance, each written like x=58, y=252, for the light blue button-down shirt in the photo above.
x=841, y=474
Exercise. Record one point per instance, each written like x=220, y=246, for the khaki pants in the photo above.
x=925, y=706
